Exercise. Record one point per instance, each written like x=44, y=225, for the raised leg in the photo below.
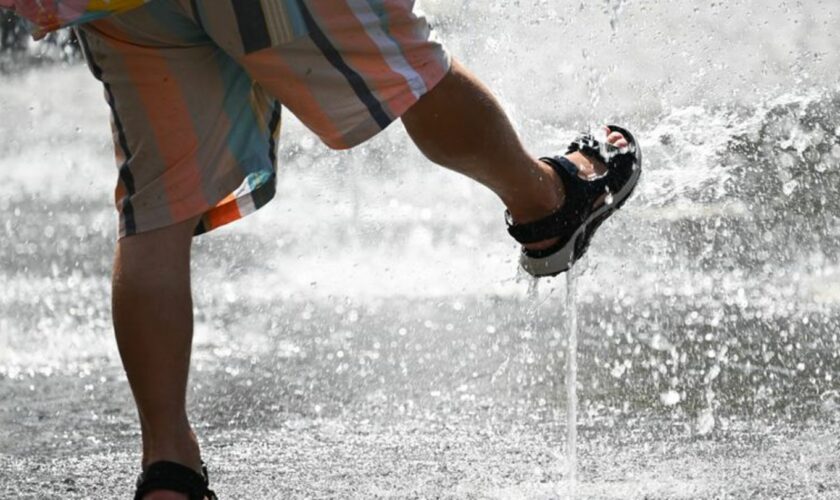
x=461, y=126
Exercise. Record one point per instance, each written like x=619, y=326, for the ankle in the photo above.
x=183, y=449
x=543, y=197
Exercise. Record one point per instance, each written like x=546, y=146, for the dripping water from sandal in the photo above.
x=571, y=381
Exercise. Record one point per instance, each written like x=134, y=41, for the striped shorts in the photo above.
x=196, y=88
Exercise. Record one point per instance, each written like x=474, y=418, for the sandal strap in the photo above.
x=173, y=476
x=619, y=165
x=580, y=195
x=589, y=146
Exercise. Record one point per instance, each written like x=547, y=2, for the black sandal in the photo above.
x=577, y=220
x=170, y=476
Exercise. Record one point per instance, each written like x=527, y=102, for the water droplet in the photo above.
x=705, y=422
x=669, y=398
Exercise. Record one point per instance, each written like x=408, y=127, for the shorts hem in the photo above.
x=215, y=214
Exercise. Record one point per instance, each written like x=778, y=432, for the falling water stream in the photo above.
x=568, y=487
x=571, y=381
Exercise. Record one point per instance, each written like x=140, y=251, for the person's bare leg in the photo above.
x=152, y=309
x=461, y=126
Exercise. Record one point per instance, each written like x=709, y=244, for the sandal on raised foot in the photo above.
x=171, y=476
x=581, y=214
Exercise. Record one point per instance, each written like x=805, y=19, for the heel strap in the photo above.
x=171, y=476
x=579, y=196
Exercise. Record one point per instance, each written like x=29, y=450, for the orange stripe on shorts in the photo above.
x=279, y=78
x=359, y=50
x=171, y=123
x=225, y=212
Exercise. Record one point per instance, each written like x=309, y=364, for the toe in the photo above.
x=618, y=140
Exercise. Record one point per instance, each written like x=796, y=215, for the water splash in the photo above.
x=614, y=10
x=533, y=289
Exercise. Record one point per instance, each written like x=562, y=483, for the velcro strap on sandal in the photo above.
x=580, y=195
x=620, y=165
x=555, y=225
x=588, y=145
x=593, y=148
x=171, y=476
